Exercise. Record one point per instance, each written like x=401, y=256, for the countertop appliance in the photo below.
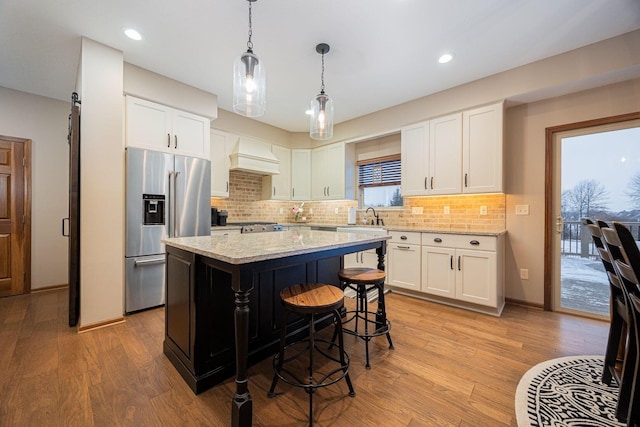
x=167, y=195
x=257, y=227
x=351, y=216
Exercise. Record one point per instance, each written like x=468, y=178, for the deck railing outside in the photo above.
x=576, y=239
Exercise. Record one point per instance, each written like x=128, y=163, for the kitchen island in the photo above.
x=223, y=308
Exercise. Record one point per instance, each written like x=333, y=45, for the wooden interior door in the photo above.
x=14, y=217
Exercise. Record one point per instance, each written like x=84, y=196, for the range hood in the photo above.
x=254, y=157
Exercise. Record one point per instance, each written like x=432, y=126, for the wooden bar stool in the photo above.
x=311, y=299
x=362, y=281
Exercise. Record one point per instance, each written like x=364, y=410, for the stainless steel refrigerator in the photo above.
x=166, y=195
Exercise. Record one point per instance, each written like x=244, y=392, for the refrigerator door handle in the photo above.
x=142, y=263
x=174, y=201
x=171, y=205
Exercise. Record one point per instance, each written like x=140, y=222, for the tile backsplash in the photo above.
x=479, y=212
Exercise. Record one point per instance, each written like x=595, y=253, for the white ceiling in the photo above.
x=383, y=52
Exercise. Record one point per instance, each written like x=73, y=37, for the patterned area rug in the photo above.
x=566, y=392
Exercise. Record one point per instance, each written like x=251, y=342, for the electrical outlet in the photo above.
x=336, y=211
x=310, y=210
x=524, y=273
x=447, y=211
x=281, y=211
x=483, y=210
x=417, y=210
x=522, y=209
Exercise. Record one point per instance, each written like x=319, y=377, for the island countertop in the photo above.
x=252, y=247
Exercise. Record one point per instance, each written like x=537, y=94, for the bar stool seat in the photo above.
x=311, y=299
x=363, y=280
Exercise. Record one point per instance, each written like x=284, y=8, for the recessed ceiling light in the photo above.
x=132, y=34
x=445, y=58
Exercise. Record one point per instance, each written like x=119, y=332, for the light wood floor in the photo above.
x=450, y=368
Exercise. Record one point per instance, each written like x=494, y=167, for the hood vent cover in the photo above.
x=254, y=157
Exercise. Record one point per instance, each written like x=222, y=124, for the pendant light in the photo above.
x=249, y=83
x=321, y=121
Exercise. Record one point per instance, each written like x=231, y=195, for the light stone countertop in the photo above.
x=467, y=230
x=252, y=247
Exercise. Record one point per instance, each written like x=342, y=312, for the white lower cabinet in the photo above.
x=403, y=260
x=368, y=259
x=463, y=267
x=458, y=269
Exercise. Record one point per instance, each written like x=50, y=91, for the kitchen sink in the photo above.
x=366, y=230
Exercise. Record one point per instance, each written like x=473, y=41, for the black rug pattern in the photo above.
x=566, y=392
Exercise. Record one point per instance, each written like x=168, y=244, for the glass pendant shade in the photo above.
x=321, y=118
x=249, y=85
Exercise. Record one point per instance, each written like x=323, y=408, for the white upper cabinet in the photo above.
x=445, y=154
x=301, y=174
x=157, y=127
x=222, y=144
x=278, y=187
x=454, y=154
x=333, y=172
x=482, y=149
x=415, y=159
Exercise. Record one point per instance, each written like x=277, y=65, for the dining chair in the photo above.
x=619, y=310
x=626, y=261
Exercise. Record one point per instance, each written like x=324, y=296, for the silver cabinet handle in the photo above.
x=425, y=183
x=451, y=262
x=403, y=237
x=175, y=145
x=465, y=179
x=474, y=242
x=404, y=247
x=432, y=183
x=459, y=263
x=168, y=140
x=437, y=240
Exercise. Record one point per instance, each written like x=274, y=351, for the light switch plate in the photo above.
x=417, y=210
x=447, y=211
x=522, y=209
x=281, y=211
x=336, y=211
x=524, y=273
x=483, y=210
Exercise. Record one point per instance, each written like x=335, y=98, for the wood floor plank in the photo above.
x=450, y=367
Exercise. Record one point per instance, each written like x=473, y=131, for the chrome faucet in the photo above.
x=379, y=221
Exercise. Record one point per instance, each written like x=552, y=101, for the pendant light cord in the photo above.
x=250, y=43
x=322, y=76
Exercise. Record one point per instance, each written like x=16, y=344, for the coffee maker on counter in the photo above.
x=218, y=218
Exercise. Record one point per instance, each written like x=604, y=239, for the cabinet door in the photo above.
x=445, y=155
x=476, y=277
x=482, y=149
x=352, y=260
x=404, y=266
x=335, y=171
x=301, y=174
x=319, y=173
x=438, y=271
x=221, y=146
x=415, y=157
x=191, y=135
x=148, y=125
x=278, y=187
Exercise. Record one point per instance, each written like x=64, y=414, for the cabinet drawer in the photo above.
x=460, y=241
x=407, y=237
